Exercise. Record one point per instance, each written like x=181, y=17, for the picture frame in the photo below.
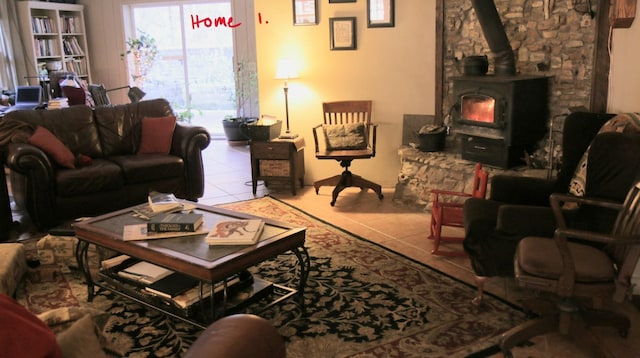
x=343, y=33
x=340, y=1
x=381, y=13
x=305, y=12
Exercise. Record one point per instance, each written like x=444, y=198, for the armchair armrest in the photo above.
x=315, y=137
x=374, y=131
x=521, y=190
x=525, y=220
x=558, y=200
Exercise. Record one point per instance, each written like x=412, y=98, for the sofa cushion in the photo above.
x=120, y=126
x=157, y=134
x=45, y=140
x=149, y=167
x=13, y=265
x=101, y=176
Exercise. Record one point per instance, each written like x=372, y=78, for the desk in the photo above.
x=278, y=160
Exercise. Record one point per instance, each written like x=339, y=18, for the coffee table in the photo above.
x=192, y=255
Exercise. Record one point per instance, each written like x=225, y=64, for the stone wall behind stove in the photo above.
x=548, y=38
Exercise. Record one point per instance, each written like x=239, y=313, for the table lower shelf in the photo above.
x=205, y=310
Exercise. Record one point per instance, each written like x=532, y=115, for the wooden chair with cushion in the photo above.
x=348, y=134
x=579, y=264
x=449, y=212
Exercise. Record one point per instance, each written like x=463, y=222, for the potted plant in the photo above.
x=143, y=49
x=235, y=127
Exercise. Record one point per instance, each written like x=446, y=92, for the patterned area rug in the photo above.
x=362, y=300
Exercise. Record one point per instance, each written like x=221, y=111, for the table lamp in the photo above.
x=286, y=71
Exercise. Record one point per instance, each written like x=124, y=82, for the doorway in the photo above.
x=195, y=66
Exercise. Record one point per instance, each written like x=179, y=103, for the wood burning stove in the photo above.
x=499, y=118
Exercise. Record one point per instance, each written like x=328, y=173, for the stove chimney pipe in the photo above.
x=496, y=37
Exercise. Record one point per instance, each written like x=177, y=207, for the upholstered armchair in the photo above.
x=519, y=206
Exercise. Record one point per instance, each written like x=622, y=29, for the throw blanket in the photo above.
x=14, y=131
x=621, y=123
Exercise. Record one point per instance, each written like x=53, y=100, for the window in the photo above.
x=198, y=47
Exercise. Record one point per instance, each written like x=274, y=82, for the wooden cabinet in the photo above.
x=53, y=33
x=278, y=160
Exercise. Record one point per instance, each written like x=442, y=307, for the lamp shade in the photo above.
x=287, y=69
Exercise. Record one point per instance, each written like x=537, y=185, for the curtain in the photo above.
x=11, y=48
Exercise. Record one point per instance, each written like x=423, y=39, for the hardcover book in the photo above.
x=172, y=285
x=235, y=232
x=168, y=222
x=139, y=232
x=145, y=272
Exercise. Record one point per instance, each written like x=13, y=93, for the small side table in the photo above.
x=278, y=160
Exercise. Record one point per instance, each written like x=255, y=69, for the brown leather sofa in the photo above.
x=117, y=176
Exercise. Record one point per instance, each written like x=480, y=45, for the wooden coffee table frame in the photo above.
x=96, y=231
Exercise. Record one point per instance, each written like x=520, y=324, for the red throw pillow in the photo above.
x=75, y=95
x=22, y=334
x=51, y=145
x=157, y=134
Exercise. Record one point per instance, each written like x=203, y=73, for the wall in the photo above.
x=388, y=68
x=624, y=76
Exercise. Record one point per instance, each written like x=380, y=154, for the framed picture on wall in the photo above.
x=381, y=13
x=305, y=12
x=343, y=33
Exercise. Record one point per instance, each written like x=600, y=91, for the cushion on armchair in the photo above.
x=345, y=136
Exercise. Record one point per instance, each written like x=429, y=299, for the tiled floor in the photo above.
x=228, y=179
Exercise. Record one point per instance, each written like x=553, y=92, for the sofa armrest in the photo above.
x=188, y=144
x=521, y=190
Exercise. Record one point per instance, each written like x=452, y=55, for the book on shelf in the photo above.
x=164, y=202
x=137, y=232
x=144, y=272
x=235, y=232
x=168, y=222
x=172, y=285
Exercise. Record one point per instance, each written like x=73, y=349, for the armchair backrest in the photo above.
x=344, y=112
x=627, y=227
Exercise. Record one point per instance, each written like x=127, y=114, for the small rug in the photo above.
x=362, y=300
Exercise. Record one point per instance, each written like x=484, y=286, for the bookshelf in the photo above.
x=53, y=33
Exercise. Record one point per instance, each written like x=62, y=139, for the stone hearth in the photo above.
x=422, y=172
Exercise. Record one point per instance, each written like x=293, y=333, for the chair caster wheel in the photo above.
x=333, y=203
x=380, y=196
